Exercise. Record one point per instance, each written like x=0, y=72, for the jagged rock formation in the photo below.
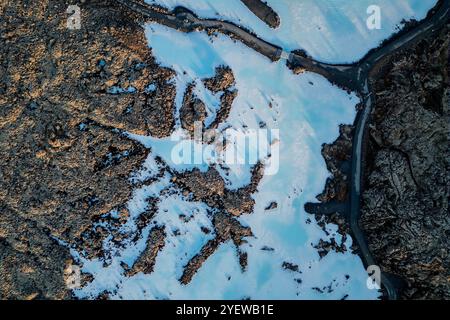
x=405, y=212
x=334, y=199
x=192, y=111
x=146, y=261
x=226, y=228
x=209, y=187
x=337, y=158
x=223, y=80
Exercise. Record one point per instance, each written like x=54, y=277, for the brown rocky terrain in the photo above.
x=209, y=187
x=66, y=98
x=64, y=161
x=223, y=82
x=226, y=228
x=146, y=261
x=194, y=110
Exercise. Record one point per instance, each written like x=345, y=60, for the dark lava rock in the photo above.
x=333, y=199
x=405, y=212
x=290, y=266
x=223, y=81
x=263, y=11
x=337, y=156
x=194, y=110
x=273, y=205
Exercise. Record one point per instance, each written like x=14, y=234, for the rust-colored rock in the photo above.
x=66, y=96
x=146, y=261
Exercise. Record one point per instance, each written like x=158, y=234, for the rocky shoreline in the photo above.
x=405, y=213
